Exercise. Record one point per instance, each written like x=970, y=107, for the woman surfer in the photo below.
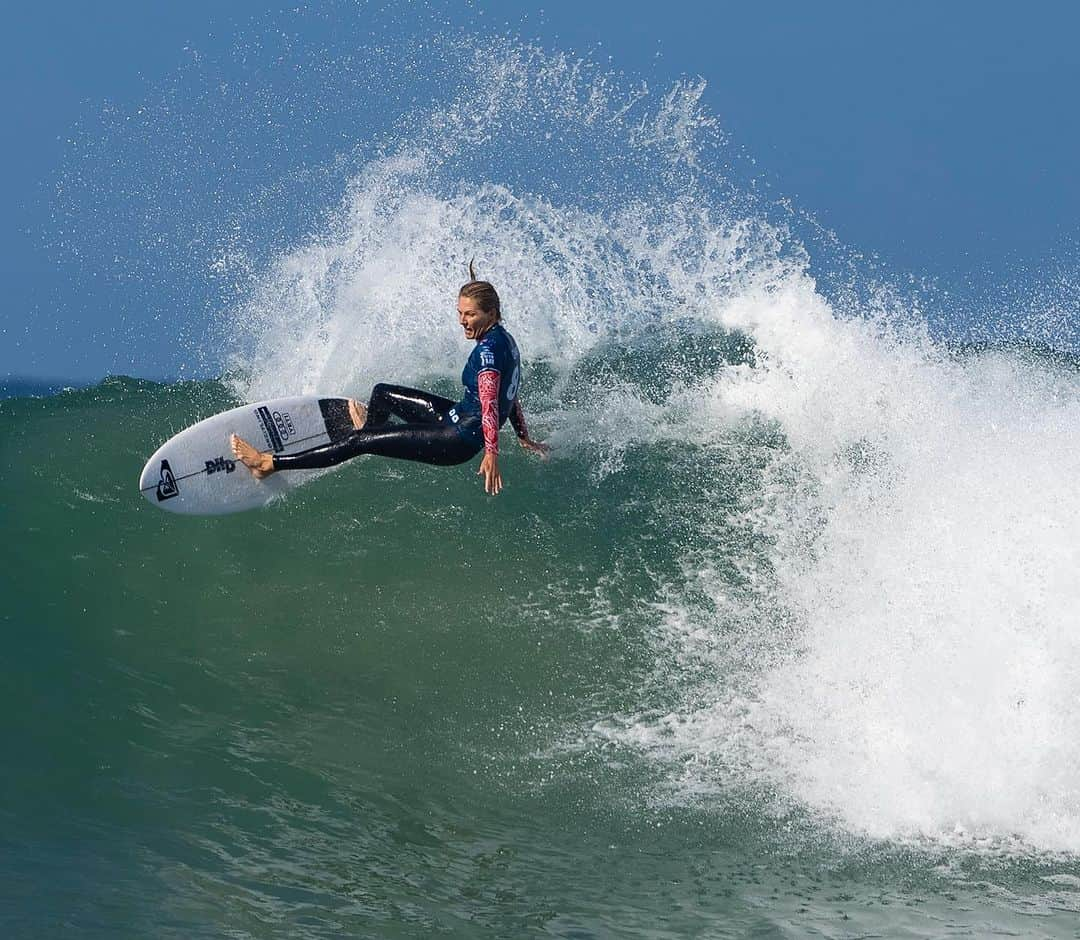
x=435, y=429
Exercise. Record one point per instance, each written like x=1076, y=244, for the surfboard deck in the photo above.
x=195, y=473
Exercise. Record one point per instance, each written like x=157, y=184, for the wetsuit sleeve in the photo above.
x=517, y=420
x=488, y=389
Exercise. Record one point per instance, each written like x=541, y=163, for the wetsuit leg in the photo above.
x=411, y=405
x=425, y=443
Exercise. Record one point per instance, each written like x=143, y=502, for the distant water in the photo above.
x=13, y=387
x=783, y=640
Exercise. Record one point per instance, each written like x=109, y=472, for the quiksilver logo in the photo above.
x=166, y=488
x=219, y=464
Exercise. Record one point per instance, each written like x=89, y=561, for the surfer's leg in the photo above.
x=411, y=405
x=442, y=446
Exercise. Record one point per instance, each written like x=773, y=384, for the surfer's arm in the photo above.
x=487, y=387
x=517, y=420
x=488, y=390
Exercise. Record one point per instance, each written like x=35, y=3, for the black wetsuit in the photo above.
x=435, y=429
x=428, y=434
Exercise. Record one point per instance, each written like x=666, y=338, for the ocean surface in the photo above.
x=782, y=641
x=698, y=675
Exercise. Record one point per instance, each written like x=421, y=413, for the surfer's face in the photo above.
x=474, y=321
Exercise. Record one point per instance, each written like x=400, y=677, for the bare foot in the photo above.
x=358, y=413
x=259, y=463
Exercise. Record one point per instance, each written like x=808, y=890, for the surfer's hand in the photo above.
x=541, y=450
x=489, y=470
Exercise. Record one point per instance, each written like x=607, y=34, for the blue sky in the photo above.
x=940, y=137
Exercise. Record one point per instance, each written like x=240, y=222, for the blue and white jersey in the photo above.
x=496, y=350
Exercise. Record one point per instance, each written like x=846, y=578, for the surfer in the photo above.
x=435, y=430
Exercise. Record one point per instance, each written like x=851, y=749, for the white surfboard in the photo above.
x=195, y=471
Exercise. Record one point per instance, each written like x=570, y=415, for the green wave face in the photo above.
x=394, y=705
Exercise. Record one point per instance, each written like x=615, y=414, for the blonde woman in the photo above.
x=432, y=429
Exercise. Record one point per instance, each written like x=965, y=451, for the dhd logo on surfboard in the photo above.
x=219, y=464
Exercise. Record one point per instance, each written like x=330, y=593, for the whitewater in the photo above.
x=784, y=635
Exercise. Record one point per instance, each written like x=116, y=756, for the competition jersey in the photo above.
x=498, y=351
